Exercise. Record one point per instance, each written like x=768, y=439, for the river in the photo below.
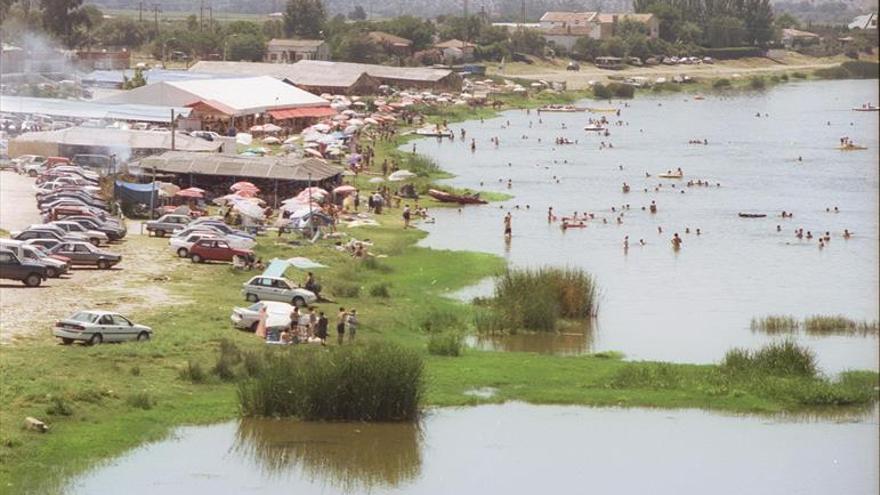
x=512, y=448
x=695, y=304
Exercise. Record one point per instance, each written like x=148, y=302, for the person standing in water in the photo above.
x=508, y=228
x=676, y=242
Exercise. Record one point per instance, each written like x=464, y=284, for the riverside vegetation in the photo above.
x=100, y=401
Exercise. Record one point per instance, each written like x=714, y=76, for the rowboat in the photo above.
x=867, y=108
x=594, y=128
x=560, y=109
x=602, y=110
x=671, y=175
x=852, y=147
x=445, y=197
x=432, y=132
x=752, y=215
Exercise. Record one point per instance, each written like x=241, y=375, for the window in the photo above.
x=121, y=321
x=7, y=258
x=222, y=245
x=81, y=248
x=105, y=320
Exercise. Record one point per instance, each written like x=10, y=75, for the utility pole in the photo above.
x=523, y=12
x=172, y=129
x=141, y=11
x=465, y=8
x=156, y=11
x=211, y=17
x=201, y=14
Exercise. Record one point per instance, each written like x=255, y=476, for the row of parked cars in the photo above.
x=37, y=165
x=77, y=226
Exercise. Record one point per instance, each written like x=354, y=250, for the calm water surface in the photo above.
x=513, y=448
x=693, y=305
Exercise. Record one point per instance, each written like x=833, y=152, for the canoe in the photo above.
x=574, y=226
x=752, y=215
x=560, y=109
x=440, y=134
x=594, y=128
x=852, y=147
x=602, y=110
x=445, y=197
x=670, y=176
x=868, y=109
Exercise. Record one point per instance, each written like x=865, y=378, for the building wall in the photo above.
x=562, y=41
x=284, y=55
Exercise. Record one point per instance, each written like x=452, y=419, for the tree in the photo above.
x=64, y=19
x=273, y=29
x=613, y=47
x=586, y=48
x=356, y=47
x=725, y=31
x=304, y=18
x=786, y=21
x=527, y=41
x=358, y=14
x=121, y=31
x=250, y=47
x=136, y=81
x=420, y=32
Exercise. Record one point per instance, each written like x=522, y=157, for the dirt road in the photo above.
x=574, y=80
x=18, y=209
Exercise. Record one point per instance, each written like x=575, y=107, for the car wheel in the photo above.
x=32, y=173
x=196, y=258
x=66, y=341
x=182, y=252
x=299, y=301
x=143, y=337
x=33, y=280
x=160, y=233
x=103, y=264
x=51, y=272
x=96, y=339
x=252, y=298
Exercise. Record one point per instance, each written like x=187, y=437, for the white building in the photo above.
x=867, y=21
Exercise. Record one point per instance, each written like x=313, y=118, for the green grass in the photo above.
x=777, y=359
x=775, y=324
x=374, y=382
x=853, y=69
x=445, y=344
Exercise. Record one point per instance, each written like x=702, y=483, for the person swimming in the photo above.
x=676, y=242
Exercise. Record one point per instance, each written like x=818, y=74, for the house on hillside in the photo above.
x=105, y=59
x=865, y=22
x=288, y=51
x=391, y=43
x=793, y=38
x=563, y=29
x=456, y=50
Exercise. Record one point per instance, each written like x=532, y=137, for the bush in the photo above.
x=193, y=372
x=733, y=52
x=437, y=320
x=852, y=69
x=346, y=290
x=647, y=376
x=798, y=75
x=381, y=290
x=371, y=263
x=223, y=369
x=721, y=83
x=58, y=406
x=601, y=91
x=757, y=82
x=784, y=77
x=140, y=400
x=135, y=371
x=666, y=86
x=376, y=382
x=445, y=344
x=785, y=359
x=622, y=90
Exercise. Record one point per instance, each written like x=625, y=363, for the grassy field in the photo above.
x=100, y=401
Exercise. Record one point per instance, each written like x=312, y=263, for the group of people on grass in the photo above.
x=313, y=326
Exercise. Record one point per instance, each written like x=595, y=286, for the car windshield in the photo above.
x=83, y=316
x=255, y=307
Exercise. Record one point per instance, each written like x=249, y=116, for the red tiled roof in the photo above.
x=294, y=113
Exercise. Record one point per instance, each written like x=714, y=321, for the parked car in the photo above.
x=262, y=288
x=99, y=163
x=573, y=66
x=27, y=252
x=217, y=250
x=277, y=315
x=46, y=244
x=114, y=231
x=225, y=229
x=51, y=234
x=166, y=223
x=29, y=164
x=95, y=237
x=12, y=268
x=85, y=254
x=95, y=327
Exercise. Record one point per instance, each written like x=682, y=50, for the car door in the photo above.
x=123, y=329
x=224, y=252
x=9, y=266
x=105, y=326
x=261, y=289
x=282, y=289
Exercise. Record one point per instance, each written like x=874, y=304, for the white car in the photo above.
x=236, y=241
x=96, y=237
x=263, y=288
x=182, y=244
x=277, y=315
x=95, y=327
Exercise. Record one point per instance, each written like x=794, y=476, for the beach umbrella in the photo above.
x=351, y=129
x=401, y=175
x=314, y=152
x=256, y=128
x=292, y=139
x=243, y=185
x=321, y=127
x=244, y=139
x=371, y=120
x=304, y=263
x=271, y=128
x=348, y=173
x=376, y=180
x=191, y=193
x=344, y=189
x=271, y=140
x=248, y=209
x=354, y=158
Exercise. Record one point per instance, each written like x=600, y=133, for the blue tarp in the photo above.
x=133, y=193
x=276, y=268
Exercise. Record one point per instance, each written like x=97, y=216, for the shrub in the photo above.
x=376, y=382
x=621, y=90
x=798, y=75
x=601, y=91
x=371, y=263
x=438, y=320
x=786, y=359
x=223, y=369
x=135, y=370
x=193, y=372
x=784, y=77
x=58, y=406
x=852, y=69
x=381, y=290
x=140, y=400
x=647, y=376
x=346, y=290
x=445, y=344
x=252, y=364
x=757, y=82
x=487, y=320
x=721, y=83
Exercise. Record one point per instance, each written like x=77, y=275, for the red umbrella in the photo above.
x=344, y=189
x=243, y=185
x=190, y=193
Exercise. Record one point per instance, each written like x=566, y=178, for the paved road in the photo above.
x=18, y=208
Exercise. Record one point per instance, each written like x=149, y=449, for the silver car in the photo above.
x=277, y=316
x=95, y=327
x=262, y=288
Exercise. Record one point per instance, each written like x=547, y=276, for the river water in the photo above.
x=695, y=304
x=512, y=448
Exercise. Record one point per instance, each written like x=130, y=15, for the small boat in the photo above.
x=462, y=199
x=435, y=132
x=602, y=110
x=752, y=215
x=573, y=225
x=594, y=128
x=671, y=175
x=852, y=147
x=560, y=109
x=699, y=97
x=867, y=108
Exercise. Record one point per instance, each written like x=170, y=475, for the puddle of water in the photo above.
x=694, y=305
x=511, y=448
x=568, y=343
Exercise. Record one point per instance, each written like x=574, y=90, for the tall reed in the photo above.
x=784, y=358
x=825, y=325
x=775, y=324
x=376, y=382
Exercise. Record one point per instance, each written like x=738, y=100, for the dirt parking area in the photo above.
x=136, y=283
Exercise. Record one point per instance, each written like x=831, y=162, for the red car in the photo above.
x=217, y=250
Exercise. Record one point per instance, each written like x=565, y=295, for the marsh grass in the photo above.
x=757, y=82
x=348, y=290
x=839, y=325
x=783, y=359
x=436, y=320
x=58, y=406
x=193, y=372
x=140, y=400
x=445, y=344
x=382, y=290
x=655, y=376
x=774, y=324
x=375, y=382
x=536, y=300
